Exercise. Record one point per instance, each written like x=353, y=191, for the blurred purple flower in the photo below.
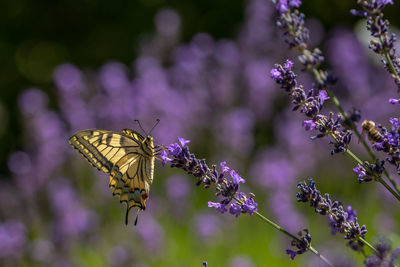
x=350, y=63
x=114, y=79
x=68, y=78
x=241, y=261
x=151, y=233
x=32, y=101
x=19, y=163
x=178, y=188
x=167, y=22
x=13, y=237
x=71, y=217
x=207, y=225
x=236, y=130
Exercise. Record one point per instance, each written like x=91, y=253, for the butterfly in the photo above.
x=129, y=159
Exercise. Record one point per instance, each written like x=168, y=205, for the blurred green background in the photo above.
x=38, y=36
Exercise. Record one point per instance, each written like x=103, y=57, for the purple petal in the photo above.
x=322, y=95
x=164, y=157
x=235, y=209
x=183, y=141
x=309, y=125
x=275, y=74
x=224, y=168
x=218, y=206
x=288, y=64
x=236, y=177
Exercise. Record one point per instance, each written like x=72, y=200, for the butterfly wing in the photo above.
x=122, y=155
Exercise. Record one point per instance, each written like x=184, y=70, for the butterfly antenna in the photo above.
x=137, y=216
x=157, y=121
x=138, y=122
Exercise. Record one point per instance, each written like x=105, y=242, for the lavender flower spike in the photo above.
x=341, y=220
x=227, y=187
x=310, y=103
x=382, y=43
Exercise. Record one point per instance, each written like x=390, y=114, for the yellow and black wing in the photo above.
x=125, y=157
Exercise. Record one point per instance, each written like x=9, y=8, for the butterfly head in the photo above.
x=148, y=141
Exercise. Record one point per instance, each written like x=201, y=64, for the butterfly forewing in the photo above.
x=128, y=157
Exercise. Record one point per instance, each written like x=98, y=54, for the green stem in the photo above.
x=276, y=226
x=368, y=244
x=390, y=63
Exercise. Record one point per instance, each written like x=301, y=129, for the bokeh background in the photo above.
x=202, y=67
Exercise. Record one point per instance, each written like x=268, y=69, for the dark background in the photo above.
x=36, y=36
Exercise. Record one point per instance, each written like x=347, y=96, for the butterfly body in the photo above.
x=128, y=157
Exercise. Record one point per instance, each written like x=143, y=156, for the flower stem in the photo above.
x=390, y=63
x=379, y=178
x=276, y=226
x=368, y=244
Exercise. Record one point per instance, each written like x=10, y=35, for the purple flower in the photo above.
x=361, y=172
x=275, y=74
x=228, y=189
x=324, y=205
x=288, y=64
x=352, y=214
x=235, y=209
x=394, y=101
x=385, y=2
x=250, y=206
x=164, y=157
x=282, y=6
x=323, y=95
x=309, y=125
x=218, y=206
x=291, y=253
x=174, y=149
x=224, y=168
x=302, y=244
x=294, y=3
x=236, y=177
x=183, y=141
x=395, y=123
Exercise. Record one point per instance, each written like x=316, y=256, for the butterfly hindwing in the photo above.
x=128, y=157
